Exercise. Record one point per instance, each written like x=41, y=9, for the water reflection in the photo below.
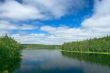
x=47, y=61
x=54, y=61
x=91, y=63
x=9, y=64
x=92, y=58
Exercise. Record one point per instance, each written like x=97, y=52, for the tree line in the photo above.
x=40, y=46
x=90, y=45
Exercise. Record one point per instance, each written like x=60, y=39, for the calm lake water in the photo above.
x=55, y=61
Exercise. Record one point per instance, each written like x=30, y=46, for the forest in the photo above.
x=96, y=45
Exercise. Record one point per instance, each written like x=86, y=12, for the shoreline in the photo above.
x=104, y=53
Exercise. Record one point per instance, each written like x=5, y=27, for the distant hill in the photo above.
x=40, y=46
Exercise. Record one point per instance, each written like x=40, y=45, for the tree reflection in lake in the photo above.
x=92, y=58
x=9, y=64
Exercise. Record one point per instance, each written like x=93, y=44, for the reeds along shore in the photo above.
x=100, y=45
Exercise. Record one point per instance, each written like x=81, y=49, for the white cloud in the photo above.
x=30, y=38
x=39, y=9
x=56, y=8
x=15, y=10
x=57, y=35
x=102, y=8
x=69, y=33
x=5, y=25
x=100, y=21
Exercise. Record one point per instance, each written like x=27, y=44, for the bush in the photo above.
x=10, y=52
x=9, y=47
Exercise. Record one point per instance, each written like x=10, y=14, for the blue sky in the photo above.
x=54, y=21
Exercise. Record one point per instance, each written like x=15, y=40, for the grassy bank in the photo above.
x=96, y=45
x=40, y=46
x=86, y=52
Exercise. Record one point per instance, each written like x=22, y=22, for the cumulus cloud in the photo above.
x=14, y=10
x=56, y=8
x=100, y=21
x=56, y=35
x=97, y=25
x=39, y=9
x=5, y=25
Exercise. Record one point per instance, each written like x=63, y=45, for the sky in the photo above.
x=54, y=21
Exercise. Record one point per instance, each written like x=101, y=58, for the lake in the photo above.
x=55, y=61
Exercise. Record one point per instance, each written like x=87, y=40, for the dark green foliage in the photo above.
x=9, y=64
x=10, y=52
x=91, y=45
x=9, y=46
